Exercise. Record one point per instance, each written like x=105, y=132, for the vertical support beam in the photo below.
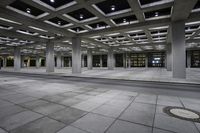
x=82, y=60
x=146, y=60
x=169, y=57
x=22, y=61
x=70, y=62
x=62, y=62
x=4, y=61
x=124, y=60
x=101, y=61
x=178, y=49
x=89, y=59
x=188, y=59
x=129, y=60
x=17, y=59
x=38, y=62
x=50, y=62
x=76, y=55
x=110, y=61
x=58, y=60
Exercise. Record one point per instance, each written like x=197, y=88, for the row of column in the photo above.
x=175, y=54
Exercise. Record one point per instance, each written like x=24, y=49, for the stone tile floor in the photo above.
x=147, y=74
x=38, y=106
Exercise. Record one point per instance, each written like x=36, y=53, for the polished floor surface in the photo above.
x=37, y=105
x=147, y=74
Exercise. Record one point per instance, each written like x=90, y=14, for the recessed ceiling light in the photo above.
x=156, y=14
x=28, y=10
x=59, y=22
x=52, y=1
x=112, y=8
x=81, y=16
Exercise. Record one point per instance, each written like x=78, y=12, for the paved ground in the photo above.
x=30, y=105
x=147, y=74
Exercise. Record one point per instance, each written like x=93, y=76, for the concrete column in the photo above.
x=188, y=59
x=22, y=61
x=169, y=57
x=70, y=62
x=62, y=61
x=114, y=60
x=50, y=62
x=38, y=62
x=101, y=61
x=124, y=60
x=110, y=61
x=17, y=59
x=4, y=61
x=178, y=49
x=89, y=59
x=76, y=55
x=58, y=60
x=129, y=60
x=82, y=60
x=146, y=61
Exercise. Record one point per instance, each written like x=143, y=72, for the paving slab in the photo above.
x=174, y=124
x=169, y=101
x=145, y=98
x=139, y=113
x=127, y=127
x=110, y=111
x=71, y=129
x=155, y=130
x=93, y=123
x=17, y=120
x=43, y=125
x=2, y=131
x=10, y=110
x=49, y=108
x=68, y=115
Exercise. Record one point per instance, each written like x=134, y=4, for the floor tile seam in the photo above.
x=164, y=130
x=27, y=123
x=153, y=124
x=119, y=115
x=51, y=102
x=22, y=94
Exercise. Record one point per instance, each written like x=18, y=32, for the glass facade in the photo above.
x=137, y=59
x=195, y=59
x=10, y=61
x=156, y=59
x=118, y=60
x=96, y=60
x=67, y=61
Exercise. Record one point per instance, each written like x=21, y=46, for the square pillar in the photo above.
x=89, y=59
x=188, y=59
x=178, y=49
x=110, y=61
x=101, y=61
x=17, y=59
x=124, y=60
x=146, y=61
x=50, y=62
x=82, y=60
x=169, y=57
x=129, y=60
x=4, y=61
x=76, y=55
x=59, y=60
x=38, y=62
